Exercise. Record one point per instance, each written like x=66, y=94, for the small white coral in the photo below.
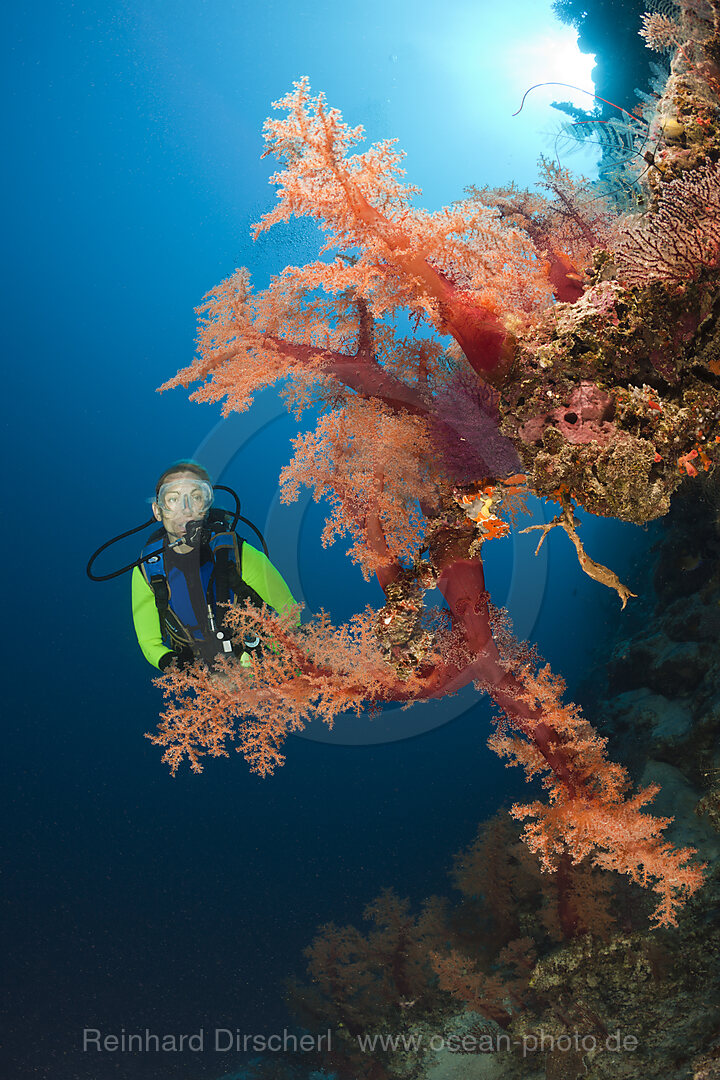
x=660, y=32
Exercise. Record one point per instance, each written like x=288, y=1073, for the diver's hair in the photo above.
x=181, y=467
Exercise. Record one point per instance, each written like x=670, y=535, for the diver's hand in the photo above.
x=179, y=658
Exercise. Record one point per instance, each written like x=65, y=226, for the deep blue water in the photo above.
x=135, y=900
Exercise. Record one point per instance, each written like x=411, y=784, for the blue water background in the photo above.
x=134, y=173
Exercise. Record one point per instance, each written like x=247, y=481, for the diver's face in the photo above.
x=182, y=498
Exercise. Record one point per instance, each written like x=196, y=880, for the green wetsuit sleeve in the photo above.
x=147, y=619
x=260, y=574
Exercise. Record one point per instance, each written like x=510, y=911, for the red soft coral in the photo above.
x=397, y=455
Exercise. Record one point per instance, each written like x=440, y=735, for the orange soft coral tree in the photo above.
x=409, y=453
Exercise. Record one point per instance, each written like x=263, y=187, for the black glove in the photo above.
x=180, y=658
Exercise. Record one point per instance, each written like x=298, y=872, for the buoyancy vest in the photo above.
x=219, y=567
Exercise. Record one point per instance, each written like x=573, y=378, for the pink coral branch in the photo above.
x=480, y=334
x=589, y=813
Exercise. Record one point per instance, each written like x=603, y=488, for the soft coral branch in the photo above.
x=315, y=672
x=361, y=203
x=590, y=813
x=239, y=354
x=372, y=466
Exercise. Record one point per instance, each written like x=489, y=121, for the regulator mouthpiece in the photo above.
x=196, y=534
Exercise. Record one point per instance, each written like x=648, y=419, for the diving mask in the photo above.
x=185, y=496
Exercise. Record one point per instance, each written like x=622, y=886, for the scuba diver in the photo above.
x=191, y=566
